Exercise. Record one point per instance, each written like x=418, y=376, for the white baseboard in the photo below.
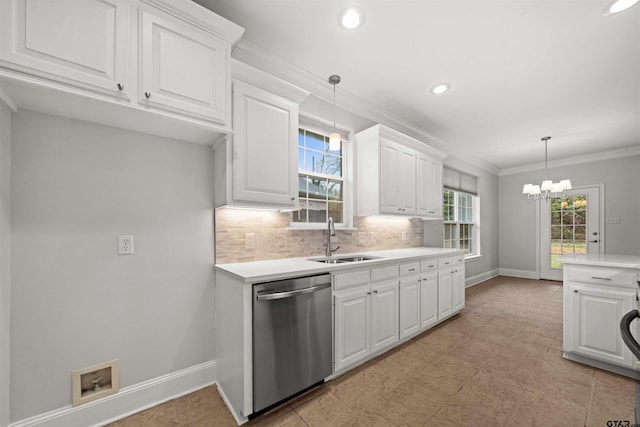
x=471, y=281
x=129, y=400
x=523, y=274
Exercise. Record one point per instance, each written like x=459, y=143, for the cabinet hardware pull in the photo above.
x=147, y=95
x=293, y=198
x=368, y=293
x=412, y=269
x=600, y=278
x=430, y=266
x=593, y=241
x=120, y=86
x=575, y=292
x=375, y=292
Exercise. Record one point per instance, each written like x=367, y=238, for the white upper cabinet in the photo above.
x=397, y=175
x=184, y=69
x=258, y=166
x=85, y=43
x=429, y=186
x=156, y=66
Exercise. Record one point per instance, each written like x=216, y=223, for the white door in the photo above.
x=445, y=293
x=84, y=43
x=570, y=224
x=458, y=289
x=184, y=69
x=264, y=146
x=409, y=306
x=384, y=315
x=428, y=300
x=596, y=323
x=353, y=320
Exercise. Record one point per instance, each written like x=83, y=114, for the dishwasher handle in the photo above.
x=289, y=294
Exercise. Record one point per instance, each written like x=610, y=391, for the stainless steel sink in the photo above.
x=344, y=259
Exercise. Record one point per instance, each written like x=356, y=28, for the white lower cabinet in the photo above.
x=428, y=300
x=594, y=301
x=409, y=299
x=353, y=326
x=377, y=308
x=594, y=322
x=366, y=318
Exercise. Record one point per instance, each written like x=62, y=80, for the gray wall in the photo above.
x=5, y=258
x=487, y=264
x=75, y=187
x=621, y=179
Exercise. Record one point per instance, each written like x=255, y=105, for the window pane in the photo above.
x=317, y=211
x=301, y=215
x=333, y=165
x=334, y=190
x=317, y=188
x=336, y=211
x=315, y=141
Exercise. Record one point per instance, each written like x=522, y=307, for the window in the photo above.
x=460, y=225
x=461, y=207
x=320, y=180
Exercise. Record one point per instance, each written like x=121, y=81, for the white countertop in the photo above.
x=260, y=271
x=602, y=260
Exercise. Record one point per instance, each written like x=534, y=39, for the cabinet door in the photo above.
x=352, y=328
x=458, y=289
x=384, y=315
x=184, y=69
x=429, y=186
x=264, y=146
x=445, y=293
x=409, y=306
x=397, y=178
x=428, y=300
x=595, y=315
x=83, y=43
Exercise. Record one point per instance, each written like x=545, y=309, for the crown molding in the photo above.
x=251, y=54
x=576, y=160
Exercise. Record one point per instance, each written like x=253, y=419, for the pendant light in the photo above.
x=334, y=137
x=548, y=188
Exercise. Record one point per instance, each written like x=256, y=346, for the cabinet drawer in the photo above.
x=458, y=259
x=603, y=275
x=353, y=278
x=429, y=264
x=445, y=262
x=409, y=268
x=384, y=273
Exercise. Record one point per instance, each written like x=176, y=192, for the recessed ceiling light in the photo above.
x=351, y=17
x=440, y=88
x=619, y=6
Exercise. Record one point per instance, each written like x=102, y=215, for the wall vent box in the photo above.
x=95, y=382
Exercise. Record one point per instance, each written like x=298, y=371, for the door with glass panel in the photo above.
x=569, y=224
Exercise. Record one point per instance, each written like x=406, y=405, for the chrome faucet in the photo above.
x=331, y=231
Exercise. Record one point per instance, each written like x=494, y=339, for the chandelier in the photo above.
x=548, y=188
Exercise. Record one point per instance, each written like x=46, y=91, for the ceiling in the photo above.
x=519, y=70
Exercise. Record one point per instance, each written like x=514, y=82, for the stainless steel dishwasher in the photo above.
x=292, y=345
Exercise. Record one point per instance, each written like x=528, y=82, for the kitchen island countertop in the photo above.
x=257, y=271
x=602, y=260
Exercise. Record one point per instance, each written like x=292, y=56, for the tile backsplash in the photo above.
x=253, y=235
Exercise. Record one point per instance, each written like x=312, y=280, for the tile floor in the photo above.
x=498, y=363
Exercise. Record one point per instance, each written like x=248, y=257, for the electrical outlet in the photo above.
x=613, y=220
x=125, y=245
x=404, y=236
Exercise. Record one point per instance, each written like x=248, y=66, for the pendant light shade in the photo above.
x=548, y=188
x=334, y=137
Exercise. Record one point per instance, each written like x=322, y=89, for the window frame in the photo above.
x=474, y=237
x=323, y=127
